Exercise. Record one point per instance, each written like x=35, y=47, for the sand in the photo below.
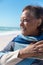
x=6, y=37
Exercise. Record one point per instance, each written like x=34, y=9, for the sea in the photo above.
x=4, y=29
x=8, y=30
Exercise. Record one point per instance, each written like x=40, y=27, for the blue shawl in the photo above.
x=21, y=42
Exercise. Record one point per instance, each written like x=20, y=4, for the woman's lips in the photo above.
x=23, y=29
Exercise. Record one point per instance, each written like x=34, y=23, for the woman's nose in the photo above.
x=21, y=23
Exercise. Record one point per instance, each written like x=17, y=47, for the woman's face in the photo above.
x=28, y=23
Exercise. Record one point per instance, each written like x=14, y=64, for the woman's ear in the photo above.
x=39, y=22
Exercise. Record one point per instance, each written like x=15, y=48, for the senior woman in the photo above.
x=27, y=47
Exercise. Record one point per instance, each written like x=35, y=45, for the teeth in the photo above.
x=23, y=28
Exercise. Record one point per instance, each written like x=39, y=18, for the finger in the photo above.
x=39, y=46
x=39, y=42
x=40, y=50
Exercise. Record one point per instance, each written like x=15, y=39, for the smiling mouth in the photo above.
x=23, y=29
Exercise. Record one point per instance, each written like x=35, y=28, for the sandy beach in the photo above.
x=6, y=37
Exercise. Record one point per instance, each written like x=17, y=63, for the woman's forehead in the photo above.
x=27, y=13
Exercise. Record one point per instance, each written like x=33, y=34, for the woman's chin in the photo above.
x=24, y=33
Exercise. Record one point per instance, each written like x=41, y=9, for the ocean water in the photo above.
x=9, y=30
x=5, y=29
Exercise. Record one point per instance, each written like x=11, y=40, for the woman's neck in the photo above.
x=36, y=33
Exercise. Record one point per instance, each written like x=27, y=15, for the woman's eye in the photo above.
x=25, y=20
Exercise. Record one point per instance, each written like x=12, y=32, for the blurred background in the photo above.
x=10, y=12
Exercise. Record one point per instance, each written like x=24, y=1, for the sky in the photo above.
x=11, y=10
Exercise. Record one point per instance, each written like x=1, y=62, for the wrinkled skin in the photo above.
x=29, y=26
x=33, y=50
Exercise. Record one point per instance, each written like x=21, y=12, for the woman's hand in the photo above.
x=27, y=52
x=32, y=50
x=39, y=46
